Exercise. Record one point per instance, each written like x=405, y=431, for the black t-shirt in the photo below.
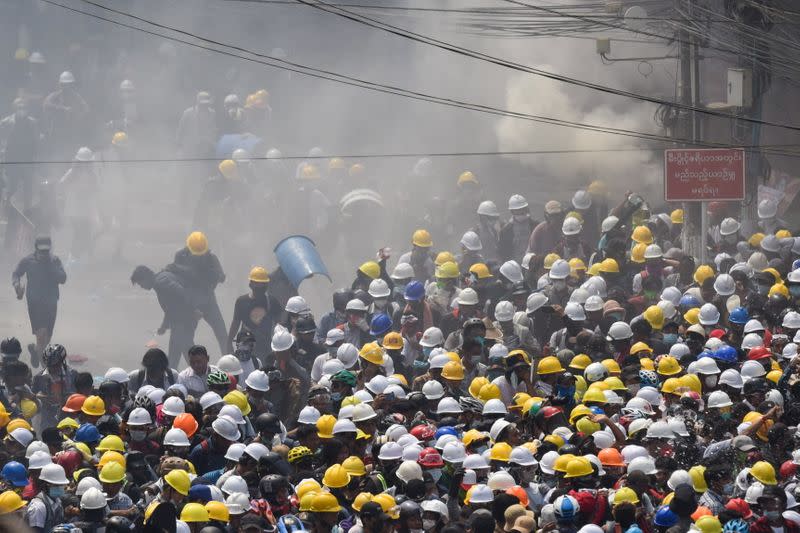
x=257, y=315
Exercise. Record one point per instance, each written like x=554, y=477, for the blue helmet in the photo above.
x=414, y=291
x=739, y=316
x=688, y=302
x=725, y=353
x=566, y=508
x=381, y=323
x=200, y=492
x=88, y=433
x=445, y=430
x=290, y=524
x=737, y=525
x=15, y=473
x=665, y=517
x=597, y=410
x=795, y=264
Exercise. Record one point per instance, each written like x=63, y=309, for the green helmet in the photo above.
x=346, y=377
x=218, y=377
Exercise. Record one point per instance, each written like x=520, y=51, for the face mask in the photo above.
x=650, y=295
x=794, y=290
x=436, y=474
x=725, y=416
x=550, y=482
x=56, y=491
x=773, y=516
x=728, y=489
x=420, y=365
x=399, y=289
x=521, y=218
x=428, y=525
x=480, y=340
x=138, y=436
x=559, y=284
x=336, y=396
x=670, y=338
x=427, y=351
x=480, y=449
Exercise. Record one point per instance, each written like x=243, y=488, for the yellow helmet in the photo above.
x=444, y=257
x=372, y=353
x=111, y=443
x=779, y=288
x=609, y=265
x=371, y=269
x=549, y=365
x=178, y=480
x=775, y=274
x=647, y=364
x=422, y=238
x=676, y=216
x=310, y=171
x=600, y=385
x=640, y=347
x=112, y=473
x=467, y=177
x=197, y=243
x=670, y=386
x=448, y=270
x=594, y=269
x=259, y=275
x=354, y=466
x=360, y=500
x=112, y=457
x=774, y=375
x=692, y=316
x=549, y=259
x=476, y=384
x=708, y=524
x=702, y=273
x=654, y=316
x=229, y=169
x=764, y=472
x=755, y=240
x=614, y=383
x=194, y=512
x=692, y=382
x=612, y=366
x=393, y=341
x=783, y=234
x=119, y=138
x=560, y=464
x=480, y=270
x=306, y=486
x=325, y=426
x=306, y=500
x=579, y=411
x=10, y=502
x=642, y=234
x=453, y=371
x=336, y=477
x=388, y=504
x=490, y=391
x=580, y=362
x=473, y=435
x=594, y=395
x=698, y=475
x=597, y=187
x=579, y=466
x=637, y=252
x=625, y=495
x=239, y=399
x=18, y=423
x=555, y=440
x=218, y=511
x=501, y=451
x=519, y=399
x=576, y=263
x=94, y=406
x=29, y=408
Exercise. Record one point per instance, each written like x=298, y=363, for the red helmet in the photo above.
x=741, y=507
x=430, y=458
x=759, y=352
x=551, y=411
x=788, y=469
x=717, y=333
x=423, y=432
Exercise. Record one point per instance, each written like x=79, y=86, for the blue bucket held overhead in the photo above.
x=299, y=259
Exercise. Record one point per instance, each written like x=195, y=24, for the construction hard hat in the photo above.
x=559, y=270
x=594, y=395
x=179, y=480
x=610, y=457
x=708, y=524
x=488, y=208
x=471, y=241
x=371, y=269
x=779, y=288
x=259, y=275
x=257, y=380
x=595, y=372
x=642, y=234
x=517, y=201
x=393, y=341
x=93, y=499
x=112, y=472
x=217, y=511
x=580, y=362
x=609, y=266
x=111, y=443
x=448, y=270
x=54, y=474
x=654, y=316
x=177, y=437
x=709, y=315
x=421, y=238
x=197, y=243
x=336, y=477
x=10, y=502
x=282, y=340
x=637, y=252
x=697, y=473
x=453, y=371
x=566, y=507
x=729, y=226
x=94, y=406
x=194, y=512
x=378, y=288
x=764, y=472
x=702, y=273
x=668, y=366
x=676, y=216
x=372, y=352
x=625, y=495
x=500, y=451
x=549, y=365
x=767, y=208
x=571, y=226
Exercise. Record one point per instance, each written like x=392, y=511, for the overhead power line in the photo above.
x=414, y=36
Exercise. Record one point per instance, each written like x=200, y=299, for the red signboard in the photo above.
x=693, y=175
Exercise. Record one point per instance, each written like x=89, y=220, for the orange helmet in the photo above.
x=187, y=423
x=520, y=493
x=610, y=457
x=74, y=403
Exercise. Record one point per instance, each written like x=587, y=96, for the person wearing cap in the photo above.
x=545, y=236
x=43, y=273
x=257, y=312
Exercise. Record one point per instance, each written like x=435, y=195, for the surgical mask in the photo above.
x=426, y=350
x=670, y=338
x=336, y=396
x=480, y=449
x=138, y=436
x=420, y=365
x=521, y=218
x=428, y=525
x=436, y=474
x=480, y=340
x=56, y=491
x=399, y=289
x=773, y=516
x=725, y=416
x=794, y=290
x=727, y=490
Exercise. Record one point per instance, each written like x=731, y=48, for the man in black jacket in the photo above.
x=180, y=309
x=44, y=274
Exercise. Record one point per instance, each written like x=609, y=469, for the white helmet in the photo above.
x=595, y=372
x=512, y=271
x=494, y=406
x=230, y=364
x=238, y=503
x=642, y=464
x=571, y=226
x=363, y=412
x=87, y=483
x=258, y=380
x=402, y=271
x=226, y=428
x=235, y=484
x=581, y=199
x=156, y=395
x=791, y=320
x=37, y=57
x=378, y=288
x=724, y=285
x=355, y=305
x=471, y=241
x=770, y=243
x=409, y=470
x=754, y=492
x=235, y=451
x=297, y=305
x=732, y=378
x=437, y=506
x=650, y=394
x=348, y=354
x=619, y=331
x=671, y=294
x=638, y=425
x=256, y=450
x=84, y=154
x=706, y=365
x=377, y=384
x=752, y=369
x=282, y=340
x=344, y=425
x=467, y=296
x=207, y=400
x=718, y=399
x=411, y=452
x=93, y=498
x=593, y=303
x=139, y=416
x=504, y=311
x=659, y=430
x=240, y=154
x=117, y=374
x=433, y=390
x=579, y=296
x=481, y=493
x=653, y=251
x=535, y=301
x=547, y=462
x=729, y=226
x=709, y=315
x=667, y=309
x=54, y=474
x=640, y=403
x=36, y=446
x=596, y=285
x=752, y=326
x=678, y=427
x=488, y=208
x=66, y=77
x=559, y=270
x=454, y=452
x=767, y=208
x=39, y=460
x=432, y=337
x=752, y=340
x=331, y=367
x=232, y=413
x=678, y=350
x=500, y=480
x=173, y=406
x=274, y=153
x=517, y=201
x=609, y=223
x=603, y=439
x=679, y=477
x=309, y=415
x=448, y=405
x=522, y=456
x=789, y=351
x=475, y=461
x=176, y=437
x=574, y=312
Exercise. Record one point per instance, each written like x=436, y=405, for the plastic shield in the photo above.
x=299, y=259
